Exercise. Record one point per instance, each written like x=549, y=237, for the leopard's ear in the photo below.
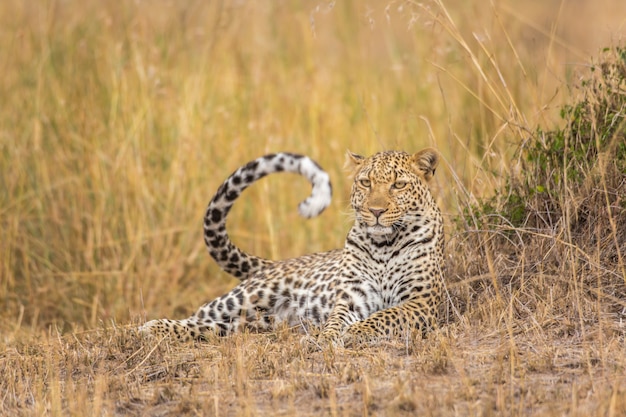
x=353, y=162
x=425, y=162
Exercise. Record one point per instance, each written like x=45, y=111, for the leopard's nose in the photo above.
x=377, y=211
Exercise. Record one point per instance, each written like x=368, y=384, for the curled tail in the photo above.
x=229, y=257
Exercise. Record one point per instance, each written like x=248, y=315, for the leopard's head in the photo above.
x=390, y=188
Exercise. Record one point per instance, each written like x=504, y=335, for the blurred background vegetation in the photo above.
x=119, y=120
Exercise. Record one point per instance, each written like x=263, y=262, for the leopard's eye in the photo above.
x=398, y=185
x=365, y=182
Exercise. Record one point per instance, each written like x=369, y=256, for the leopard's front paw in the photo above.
x=323, y=341
x=330, y=338
x=359, y=335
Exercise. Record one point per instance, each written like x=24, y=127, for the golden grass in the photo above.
x=118, y=120
x=461, y=370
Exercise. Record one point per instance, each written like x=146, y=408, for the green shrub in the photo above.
x=565, y=169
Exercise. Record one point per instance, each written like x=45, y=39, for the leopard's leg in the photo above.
x=344, y=324
x=401, y=320
x=181, y=330
x=246, y=306
x=346, y=311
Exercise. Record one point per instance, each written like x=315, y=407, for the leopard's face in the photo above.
x=390, y=188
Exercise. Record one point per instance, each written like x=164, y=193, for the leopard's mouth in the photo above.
x=379, y=230
x=374, y=227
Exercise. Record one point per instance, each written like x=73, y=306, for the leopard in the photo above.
x=385, y=282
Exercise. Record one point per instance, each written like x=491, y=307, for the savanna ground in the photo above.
x=118, y=120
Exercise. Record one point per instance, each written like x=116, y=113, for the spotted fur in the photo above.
x=386, y=280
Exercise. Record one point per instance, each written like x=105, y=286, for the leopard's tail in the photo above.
x=232, y=259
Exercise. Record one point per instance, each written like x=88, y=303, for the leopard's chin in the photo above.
x=379, y=230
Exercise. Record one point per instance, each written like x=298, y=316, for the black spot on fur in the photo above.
x=216, y=215
x=315, y=312
x=260, y=310
x=272, y=300
x=251, y=166
x=360, y=292
x=231, y=195
x=426, y=239
x=223, y=329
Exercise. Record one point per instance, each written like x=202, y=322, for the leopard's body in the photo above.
x=385, y=281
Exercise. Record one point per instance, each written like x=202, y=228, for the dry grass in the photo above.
x=118, y=121
x=462, y=370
